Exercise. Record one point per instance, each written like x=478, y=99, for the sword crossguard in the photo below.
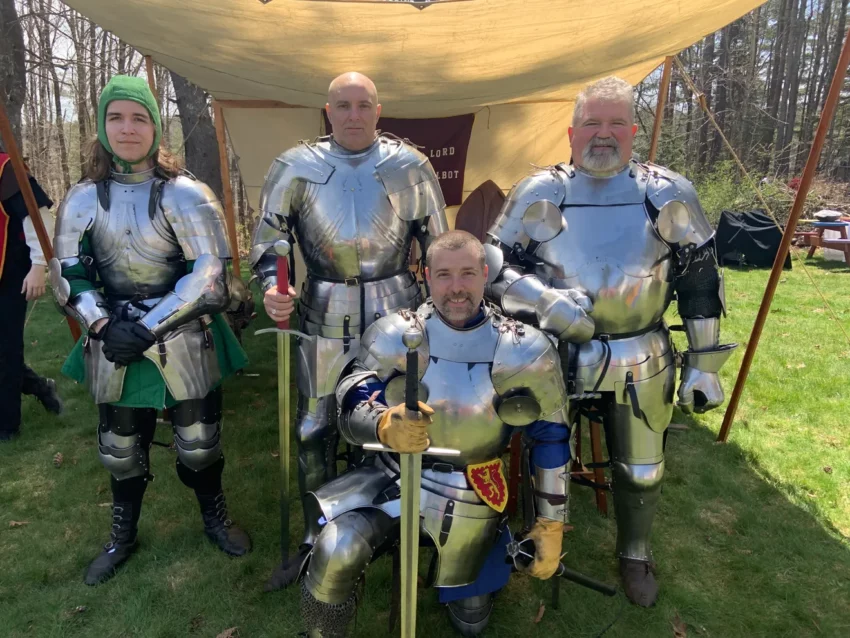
x=435, y=451
x=294, y=333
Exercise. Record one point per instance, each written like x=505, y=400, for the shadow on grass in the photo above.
x=735, y=556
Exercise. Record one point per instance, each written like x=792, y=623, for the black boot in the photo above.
x=219, y=528
x=49, y=397
x=41, y=388
x=289, y=570
x=122, y=543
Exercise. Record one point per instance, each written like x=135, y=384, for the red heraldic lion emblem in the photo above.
x=488, y=481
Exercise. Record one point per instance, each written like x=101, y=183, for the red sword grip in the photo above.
x=283, y=284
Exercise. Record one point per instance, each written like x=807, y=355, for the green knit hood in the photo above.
x=124, y=87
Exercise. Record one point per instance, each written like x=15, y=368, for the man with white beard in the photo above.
x=593, y=252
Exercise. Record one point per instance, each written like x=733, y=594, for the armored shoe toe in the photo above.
x=639, y=582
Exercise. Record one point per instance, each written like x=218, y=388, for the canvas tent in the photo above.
x=516, y=64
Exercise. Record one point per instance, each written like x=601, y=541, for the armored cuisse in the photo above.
x=159, y=249
x=355, y=215
x=596, y=261
x=482, y=382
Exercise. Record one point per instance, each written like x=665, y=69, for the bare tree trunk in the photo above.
x=30, y=131
x=721, y=104
x=40, y=37
x=47, y=53
x=104, y=60
x=788, y=100
x=835, y=49
x=94, y=94
x=200, y=144
x=122, y=57
x=815, y=79
x=774, y=91
x=31, y=125
x=77, y=34
x=707, y=77
x=836, y=132
x=13, y=79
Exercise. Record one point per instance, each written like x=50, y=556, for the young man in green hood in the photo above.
x=141, y=262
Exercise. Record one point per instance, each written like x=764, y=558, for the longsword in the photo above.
x=282, y=249
x=410, y=467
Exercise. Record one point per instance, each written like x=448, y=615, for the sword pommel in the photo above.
x=412, y=338
x=282, y=248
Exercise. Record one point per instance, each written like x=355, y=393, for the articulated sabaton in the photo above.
x=141, y=232
x=354, y=215
x=481, y=383
x=596, y=261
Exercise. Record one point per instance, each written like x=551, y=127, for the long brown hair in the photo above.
x=99, y=163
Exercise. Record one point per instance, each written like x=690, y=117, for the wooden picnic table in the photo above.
x=815, y=239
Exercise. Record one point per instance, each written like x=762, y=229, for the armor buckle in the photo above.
x=160, y=347
x=352, y=281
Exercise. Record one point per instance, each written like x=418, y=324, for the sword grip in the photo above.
x=283, y=280
x=411, y=382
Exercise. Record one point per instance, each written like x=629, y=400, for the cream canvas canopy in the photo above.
x=516, y=64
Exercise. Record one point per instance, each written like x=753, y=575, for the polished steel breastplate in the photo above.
x=613, y=255
x=347, y=226
x=135, y=255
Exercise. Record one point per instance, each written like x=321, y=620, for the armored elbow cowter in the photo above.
x=75, y=217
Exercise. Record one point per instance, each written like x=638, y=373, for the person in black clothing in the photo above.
x=22, y=272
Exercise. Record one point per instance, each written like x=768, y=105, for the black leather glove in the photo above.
x=125, y=341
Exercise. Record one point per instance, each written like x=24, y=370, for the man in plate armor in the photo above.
x=354, y=201
x=593, y=252
x=154, y=240
x=481, y=375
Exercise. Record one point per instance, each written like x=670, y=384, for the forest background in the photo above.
x=764, y=76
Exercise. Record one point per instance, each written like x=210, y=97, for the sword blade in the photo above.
x=283, y=438
x=411, y=476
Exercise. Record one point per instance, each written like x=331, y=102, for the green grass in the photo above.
x=751, y=538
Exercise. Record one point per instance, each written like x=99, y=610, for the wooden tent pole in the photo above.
x=221, y=136
x=151, y=76
x=20, y=170
x=784, y=246
x=659, y=109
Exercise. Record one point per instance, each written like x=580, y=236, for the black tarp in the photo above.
x=748, y=239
